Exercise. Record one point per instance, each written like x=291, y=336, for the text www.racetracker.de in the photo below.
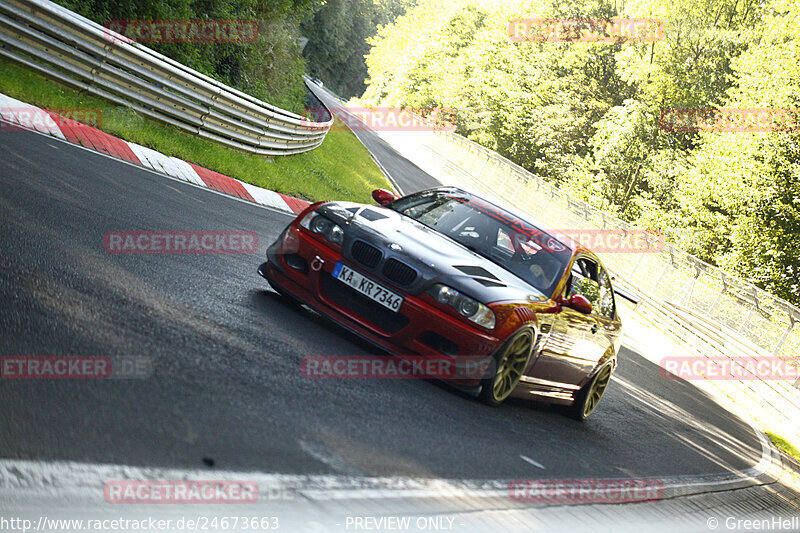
x=184, y=523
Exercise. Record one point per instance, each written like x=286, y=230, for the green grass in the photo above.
x=340, y=169
x=783, y=445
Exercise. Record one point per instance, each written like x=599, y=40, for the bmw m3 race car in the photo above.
x=445, y=273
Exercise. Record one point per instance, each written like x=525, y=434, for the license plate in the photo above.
x=372, y=290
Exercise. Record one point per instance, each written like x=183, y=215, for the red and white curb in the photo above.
x=26, y=116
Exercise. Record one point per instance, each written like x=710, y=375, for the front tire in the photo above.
x=510, y=363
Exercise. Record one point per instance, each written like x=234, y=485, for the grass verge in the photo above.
x=340, y=169
x=784, y=446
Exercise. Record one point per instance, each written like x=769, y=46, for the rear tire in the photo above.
x=509, y=364
x=590, y=395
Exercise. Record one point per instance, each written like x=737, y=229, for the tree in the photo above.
x=337, y=40
x=741, y=197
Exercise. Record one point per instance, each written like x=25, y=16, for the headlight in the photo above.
x=324, y=226
x=336, y=234
x=321, y=224
x=306, y=222
x=466, y=306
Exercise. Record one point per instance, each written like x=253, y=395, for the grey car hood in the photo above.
x=437, y=258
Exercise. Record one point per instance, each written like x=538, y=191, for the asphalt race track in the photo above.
x=405, y=174
x=226, y=350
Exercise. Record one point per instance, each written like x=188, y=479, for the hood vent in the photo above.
x=371, y=215
x=477, y=271
x=490, y=283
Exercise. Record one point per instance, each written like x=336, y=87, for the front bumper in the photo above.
x=418, y=328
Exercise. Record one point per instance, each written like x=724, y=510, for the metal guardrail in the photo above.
x=66, y=47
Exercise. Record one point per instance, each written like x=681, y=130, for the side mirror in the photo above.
x=383, y=197
x=577, y=302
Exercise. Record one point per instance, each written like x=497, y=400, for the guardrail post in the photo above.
x=692, y=283
x=721, y=293
x=480, y=172
x=520, y=183
x=750, y=312
x=661, y=276
x=638, y=263
x=776, y=351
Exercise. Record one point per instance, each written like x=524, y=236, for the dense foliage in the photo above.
x=338, y=35
x=585, y=115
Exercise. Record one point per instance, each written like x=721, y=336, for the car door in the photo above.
x=571, y=351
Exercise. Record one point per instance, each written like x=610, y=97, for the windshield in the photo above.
x=496, y=234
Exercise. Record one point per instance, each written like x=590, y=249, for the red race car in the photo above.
x=444, y=273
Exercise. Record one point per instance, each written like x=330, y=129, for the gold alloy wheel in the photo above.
x=599, y=385
x=510, y=366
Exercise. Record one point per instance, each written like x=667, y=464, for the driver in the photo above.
x=543, y=268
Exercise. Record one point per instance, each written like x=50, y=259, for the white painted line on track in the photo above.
x=531, y=461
